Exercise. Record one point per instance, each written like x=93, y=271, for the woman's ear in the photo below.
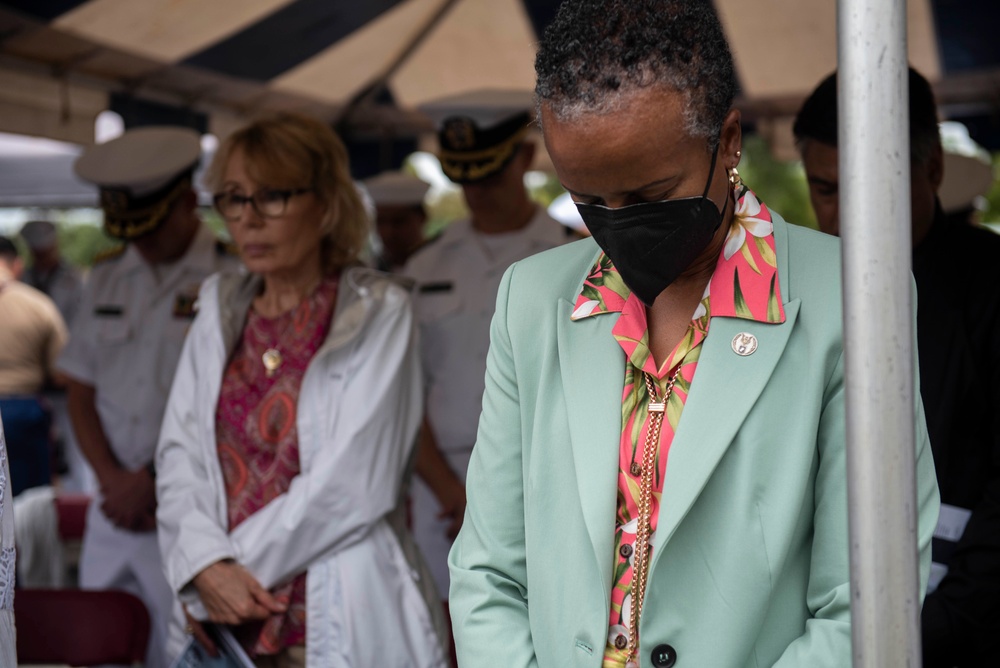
x=731, y=140
x=331, y=217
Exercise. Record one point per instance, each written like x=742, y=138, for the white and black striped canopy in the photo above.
x=211, y=63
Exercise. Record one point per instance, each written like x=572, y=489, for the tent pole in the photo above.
x=878, y=328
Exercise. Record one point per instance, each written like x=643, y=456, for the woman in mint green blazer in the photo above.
x=749, y=560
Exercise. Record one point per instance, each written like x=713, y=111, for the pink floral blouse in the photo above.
x=743, y=285
x=258, y=442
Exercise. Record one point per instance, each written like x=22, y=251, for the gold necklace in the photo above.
x=640, y=572
x=272, y=357
x=272, y=361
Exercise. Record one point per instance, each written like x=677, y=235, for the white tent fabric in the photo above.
x=155, y=50
x=36, y=172
x=64, y=61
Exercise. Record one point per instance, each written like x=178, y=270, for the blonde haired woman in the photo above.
x=289, y=430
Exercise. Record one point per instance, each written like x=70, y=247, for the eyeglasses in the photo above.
x=267, y=203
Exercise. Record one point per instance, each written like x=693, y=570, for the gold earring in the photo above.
x=739, y=153
x=734, y=178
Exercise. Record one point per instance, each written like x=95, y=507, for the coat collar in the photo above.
x=359, y=290
x=593, y=370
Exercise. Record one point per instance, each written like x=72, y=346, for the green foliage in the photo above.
x=214, y=222
x=81, y=243
x=447, y=207
x=780, y=185
x=992, y=212
x=544, y=191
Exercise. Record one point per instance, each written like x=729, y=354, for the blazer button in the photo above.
x=664, y=656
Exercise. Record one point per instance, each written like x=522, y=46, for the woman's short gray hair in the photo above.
x=597, y=51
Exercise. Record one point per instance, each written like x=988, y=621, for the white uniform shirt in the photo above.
x=127, y=336
x=457, y=278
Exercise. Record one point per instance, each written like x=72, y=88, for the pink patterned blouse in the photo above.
x=743, y=285
x=257, y=437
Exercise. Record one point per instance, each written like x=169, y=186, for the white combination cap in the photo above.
x=142, y=160
x=479, y=131
x=396, y=189
x=140, y=174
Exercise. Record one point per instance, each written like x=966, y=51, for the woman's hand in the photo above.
x=232, y=596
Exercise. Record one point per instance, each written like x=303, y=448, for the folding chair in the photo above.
x=71, y=512
x=80, y=628
x=71, y=515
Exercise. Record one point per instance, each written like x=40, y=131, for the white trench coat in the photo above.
x=370, y=600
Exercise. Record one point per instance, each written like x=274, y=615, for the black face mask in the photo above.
x=652, y=243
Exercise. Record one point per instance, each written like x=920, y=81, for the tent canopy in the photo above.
x=369, y=65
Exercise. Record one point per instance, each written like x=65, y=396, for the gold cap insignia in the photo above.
x=460, y=133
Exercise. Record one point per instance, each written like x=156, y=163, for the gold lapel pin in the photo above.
x=744, y=344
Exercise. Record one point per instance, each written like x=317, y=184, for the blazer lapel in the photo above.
x=725, y=388
x=592, y=366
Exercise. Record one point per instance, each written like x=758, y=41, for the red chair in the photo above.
x=80, y=628
x=71, y=512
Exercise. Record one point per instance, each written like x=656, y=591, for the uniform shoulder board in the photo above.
x=226, y=248
x=109, y=254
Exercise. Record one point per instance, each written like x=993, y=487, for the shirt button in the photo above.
x=621, y=642
x=625, y=551
x=663, y=656
x=635, y=469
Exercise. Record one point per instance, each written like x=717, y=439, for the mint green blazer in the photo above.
x=750, y=557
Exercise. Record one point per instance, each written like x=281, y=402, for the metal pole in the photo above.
x=875, y=226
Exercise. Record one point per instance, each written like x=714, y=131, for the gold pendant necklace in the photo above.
x=272, y=361
x=640, y=571
x=272, y=357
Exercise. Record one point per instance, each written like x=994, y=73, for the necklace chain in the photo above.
x=272, y=357
x=640, y=572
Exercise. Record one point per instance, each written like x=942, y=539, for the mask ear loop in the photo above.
x=726, y=205
x=711, y=175
x=711, y=172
